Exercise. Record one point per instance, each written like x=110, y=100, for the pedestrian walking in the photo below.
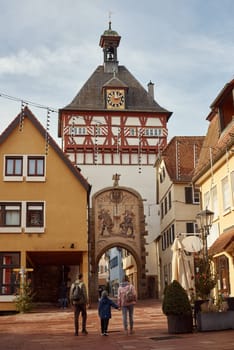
x=100, y=290
x=126, y=300
x=79, y=300
x=104, y=311
x=63, y=302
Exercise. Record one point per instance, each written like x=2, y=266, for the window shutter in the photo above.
x=188, y=195
x=189, y=227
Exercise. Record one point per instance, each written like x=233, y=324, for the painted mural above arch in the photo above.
x=118, y=214
x=118, y=220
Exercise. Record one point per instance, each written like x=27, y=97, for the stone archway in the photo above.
x=117, y=219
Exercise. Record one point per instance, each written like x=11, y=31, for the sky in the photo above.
x=49, y=49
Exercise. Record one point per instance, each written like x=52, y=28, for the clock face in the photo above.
x=115, y=99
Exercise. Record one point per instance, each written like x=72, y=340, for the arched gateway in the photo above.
x=117, y=220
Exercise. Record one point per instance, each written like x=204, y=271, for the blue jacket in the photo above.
x=104, y=307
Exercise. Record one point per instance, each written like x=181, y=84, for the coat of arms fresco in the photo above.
x=117, y=213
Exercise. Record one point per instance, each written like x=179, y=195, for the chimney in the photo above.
x=151, y=89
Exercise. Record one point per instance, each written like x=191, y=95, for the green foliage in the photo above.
x=23, y=301
x=176, y=301
x=205, y=280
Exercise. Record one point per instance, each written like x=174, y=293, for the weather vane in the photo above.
x=109, y=15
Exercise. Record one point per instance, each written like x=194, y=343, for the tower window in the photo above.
x=110, y=53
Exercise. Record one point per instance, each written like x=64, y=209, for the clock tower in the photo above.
x=115, y=126
x=113, y=120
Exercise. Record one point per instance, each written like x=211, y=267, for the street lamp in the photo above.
x=204, y=220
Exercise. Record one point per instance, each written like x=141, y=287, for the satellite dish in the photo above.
x=192, y=244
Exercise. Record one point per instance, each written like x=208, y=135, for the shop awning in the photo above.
x=225, y=242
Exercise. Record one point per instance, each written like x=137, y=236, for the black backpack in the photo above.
x=77, y=293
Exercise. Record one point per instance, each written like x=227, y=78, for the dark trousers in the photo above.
x=104, y=325
x=77, y=310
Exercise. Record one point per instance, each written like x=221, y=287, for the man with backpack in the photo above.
x=79, y=300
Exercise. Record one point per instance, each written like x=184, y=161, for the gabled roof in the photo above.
x=214, y=146
x=180, y=157
x=28, y=114
x=223, y=93
x=216, y=143
x=90, y=96
x=115, y=82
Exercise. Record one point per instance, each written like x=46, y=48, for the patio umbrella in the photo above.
x=182, y=265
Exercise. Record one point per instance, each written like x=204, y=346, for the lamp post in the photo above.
x=204, y=220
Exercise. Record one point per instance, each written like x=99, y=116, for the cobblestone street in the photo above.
x=51, y=328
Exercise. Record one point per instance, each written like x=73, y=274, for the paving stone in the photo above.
x=52, y=329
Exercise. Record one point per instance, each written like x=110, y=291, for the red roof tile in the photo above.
x=181, y=156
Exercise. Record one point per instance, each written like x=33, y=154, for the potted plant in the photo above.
x=176, y=306
x=214, y=317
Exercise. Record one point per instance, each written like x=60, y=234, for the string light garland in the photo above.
x=47, y=135
x=118, y=140
x=141, y=131
x=28, y=103
x=21, y=123
x=96, y=145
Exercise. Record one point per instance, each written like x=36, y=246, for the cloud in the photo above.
x=36, y=62
x=52, y=47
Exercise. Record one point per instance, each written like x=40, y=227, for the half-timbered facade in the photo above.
x=115, y=126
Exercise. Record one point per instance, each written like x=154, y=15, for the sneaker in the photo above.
x=102, y=333
x=84, y=331
x=106, y=334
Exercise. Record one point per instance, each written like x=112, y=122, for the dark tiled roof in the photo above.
x=115, y=82
x=215, y=143
x=214, y=146
x=90, y=97
x=223, y=242
x=28, y=114
x=180, y=157
x=223, y=93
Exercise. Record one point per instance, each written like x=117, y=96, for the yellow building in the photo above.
x=44, y=202
x=215, y=177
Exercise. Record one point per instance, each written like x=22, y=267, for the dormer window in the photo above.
x=226, y=111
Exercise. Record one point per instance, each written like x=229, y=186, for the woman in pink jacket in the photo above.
x=126, y=301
